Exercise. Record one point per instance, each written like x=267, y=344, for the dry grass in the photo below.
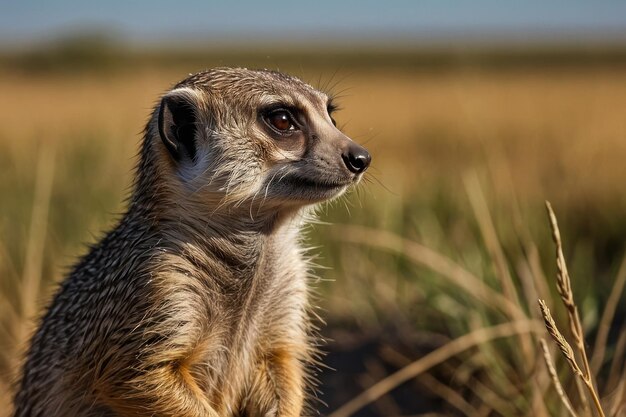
x=555, y=378
x=519, y=329
x=564, y=288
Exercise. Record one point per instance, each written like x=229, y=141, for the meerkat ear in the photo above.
x=177, y=125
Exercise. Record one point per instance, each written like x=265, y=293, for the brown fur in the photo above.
x=196, y=303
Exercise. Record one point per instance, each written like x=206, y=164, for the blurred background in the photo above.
x=475, y=114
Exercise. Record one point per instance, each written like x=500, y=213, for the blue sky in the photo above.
x=419, y=20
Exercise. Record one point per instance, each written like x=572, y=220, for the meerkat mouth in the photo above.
x=320, y=184
x=307, y=189
x=314, y=190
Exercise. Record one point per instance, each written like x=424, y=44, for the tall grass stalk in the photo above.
x=564, y=288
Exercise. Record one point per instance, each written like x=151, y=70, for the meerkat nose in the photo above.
x=356, y=158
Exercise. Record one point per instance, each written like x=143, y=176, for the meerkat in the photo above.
x=195, y=304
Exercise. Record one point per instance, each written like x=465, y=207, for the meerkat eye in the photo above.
x=281, y=120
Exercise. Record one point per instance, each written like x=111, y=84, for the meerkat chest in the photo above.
x=268, y=314
x=272, y=304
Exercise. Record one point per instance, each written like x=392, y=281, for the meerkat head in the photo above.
x=237, y=136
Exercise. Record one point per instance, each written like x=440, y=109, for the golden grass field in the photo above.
x=447, y=236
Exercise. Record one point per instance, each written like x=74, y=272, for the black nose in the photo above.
x=356, y=158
